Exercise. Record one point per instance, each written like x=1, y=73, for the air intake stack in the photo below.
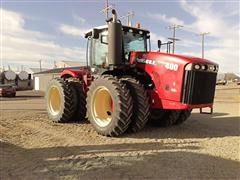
x=114, y=40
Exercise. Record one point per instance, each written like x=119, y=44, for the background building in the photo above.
x=64, y=64
x=41, y=79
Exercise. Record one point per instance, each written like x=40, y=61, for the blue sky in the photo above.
x=53, y=30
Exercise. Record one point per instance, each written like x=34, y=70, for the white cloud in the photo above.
x=155, y=37
x=166, y=19
x=223, y=48
x=26, y=47
x=79, y=19
x=76, y=31
x=72, y=30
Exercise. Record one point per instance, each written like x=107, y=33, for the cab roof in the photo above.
x=125, y=29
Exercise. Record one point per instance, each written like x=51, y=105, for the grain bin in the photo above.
x=9, y=77
x=1, y=77
x=23, y=81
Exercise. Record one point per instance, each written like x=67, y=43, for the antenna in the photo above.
x=108, y=7
x=128, y=18
x=173, y=28
x=203, y=38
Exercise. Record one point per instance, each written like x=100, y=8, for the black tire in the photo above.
x=109, y=106
x=156, y=115
x=166, y=117
x=60, y=91
x=14, y=95
x=80, y=95
x=184, y=115
x=140, y=104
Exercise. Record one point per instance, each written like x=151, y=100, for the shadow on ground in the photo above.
x=197, y=126
x=115, y=161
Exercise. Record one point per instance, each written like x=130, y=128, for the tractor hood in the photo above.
x=173, y=75
x=170, y=57
x=159, y=58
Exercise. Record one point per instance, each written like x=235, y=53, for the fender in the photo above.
x=84, y=75
x=73, y=73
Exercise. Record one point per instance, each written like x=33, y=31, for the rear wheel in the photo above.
x=140, y=104
x=109, y=106
x=184, y=115
x=61, y=103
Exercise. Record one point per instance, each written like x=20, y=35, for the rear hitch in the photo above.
x=205, y=112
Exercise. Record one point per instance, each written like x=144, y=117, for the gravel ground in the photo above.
x=204, y=147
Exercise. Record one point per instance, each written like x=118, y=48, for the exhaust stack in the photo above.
x=114, y=40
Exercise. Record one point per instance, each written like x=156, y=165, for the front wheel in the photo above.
x=109, y=106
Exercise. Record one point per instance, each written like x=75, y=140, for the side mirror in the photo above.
x=95, y=33
x=159, y=44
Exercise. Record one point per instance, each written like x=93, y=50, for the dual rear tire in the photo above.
x=66, y=101
x=61, y=103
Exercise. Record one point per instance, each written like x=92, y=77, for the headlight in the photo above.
x=197, y=66
x=211, y=68
x=204, y=67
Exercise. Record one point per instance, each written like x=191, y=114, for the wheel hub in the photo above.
x=102, y=106
x=54, y=100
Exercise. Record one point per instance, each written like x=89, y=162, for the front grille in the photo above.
x=198, y=87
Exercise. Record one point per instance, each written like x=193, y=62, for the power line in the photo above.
x=174, y=27
x=203, y=39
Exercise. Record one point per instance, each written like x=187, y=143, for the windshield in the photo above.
x=134, y=42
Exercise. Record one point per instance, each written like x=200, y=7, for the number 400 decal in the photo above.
x=171, y=66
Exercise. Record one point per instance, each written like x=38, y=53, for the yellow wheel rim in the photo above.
x=54, y=100
x=102, y=106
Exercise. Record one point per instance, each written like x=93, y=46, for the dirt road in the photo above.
x=32, y=147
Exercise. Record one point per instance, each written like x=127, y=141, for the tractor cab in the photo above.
x=133, y=39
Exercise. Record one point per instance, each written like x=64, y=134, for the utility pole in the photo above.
x=108, y=7
x=203, y=38
x=128, y=17
x=173, y=28
x=54, y=64
x=40, y=65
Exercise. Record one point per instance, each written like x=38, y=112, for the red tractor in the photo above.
x=125, y=84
